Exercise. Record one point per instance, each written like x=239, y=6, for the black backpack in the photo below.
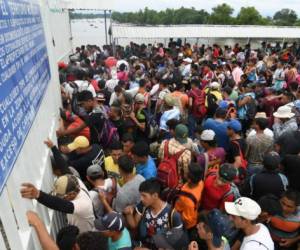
x=212, y=104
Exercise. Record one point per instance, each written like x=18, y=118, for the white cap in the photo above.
x=214, y=85
x=243, y=207
x=188, y=60
x=207, y=135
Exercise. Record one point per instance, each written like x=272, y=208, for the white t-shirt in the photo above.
x=83, y=216
x=261, y=240
x=267, y=132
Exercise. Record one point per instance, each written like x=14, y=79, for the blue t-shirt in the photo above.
x=147, y=170
x=123, y=243
x=220, y=128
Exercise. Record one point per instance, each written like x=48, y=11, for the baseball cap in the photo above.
x=172, y=239
x=65, y=184
x=223, y=104
x=181, y=133
x=228, y=172
x=79, y=142
x=271, y=160
x=94, y=170
x=235, y=125
x=243, y=207
x=207, y=135
x=110, y=222
x=139, y=98
x=218, y=225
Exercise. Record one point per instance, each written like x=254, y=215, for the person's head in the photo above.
x=181, y=133
x=226, y=174
x=172, y=123
x=226, y=92
x=289, y=201
x=115, y=112
x=80, y=145
x=110, y=225
x=86, y=100
x=94, y=173
x=270, y=206
x=220, y=113
x=260, y=124
x=212, y=226
x=150, y=191
x=116, y=151
x=126, y=165
x=91, y=241
x=66, y=237
x=140, y=152
x=66, y=187
x=163, y=83
x=233, y=127
x=243, y=212
x=169, y=101
x=195, y=173
x=195, y=83
x=271, y=161
x=128, y=142
x=139, y=101
x=122, y=67
x=208, y=139
x=284, y=113
x=142, y=83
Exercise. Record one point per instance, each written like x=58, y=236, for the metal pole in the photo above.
x=105, y=27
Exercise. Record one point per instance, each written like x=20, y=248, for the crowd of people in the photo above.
x=176, y=147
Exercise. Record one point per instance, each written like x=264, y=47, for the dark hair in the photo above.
x=85, y=95
x=122, y=67
x=118, y=89
x=92, y=241
x=293, y=86
x=262, y=123
x=140, y=149
x=212, y=143
x=126, y=164
x=195, y=173
x=220, y=113
x=116, y=145
x=142, y=83
x=292, y=195
x=151, y=186
x=204, y=219
x=127, y=137
x=164, y=82
x=172, y=123
x=66, y=237
x=269, y=203
x=227, y=90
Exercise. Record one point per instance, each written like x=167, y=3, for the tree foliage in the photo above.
x=285, y=17
x=221, y=14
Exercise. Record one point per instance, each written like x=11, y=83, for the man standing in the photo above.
x=243, y=213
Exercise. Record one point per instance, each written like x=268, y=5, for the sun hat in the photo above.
x=243, y=207
x=79, y=142
x=284, y=112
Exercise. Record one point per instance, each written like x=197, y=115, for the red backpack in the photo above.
x=167, y=172
x=198, y=109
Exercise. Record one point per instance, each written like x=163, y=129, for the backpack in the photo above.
x=171, y=195
x=108, y=134
x=152, y=127
x=211, y=104
x=233, y=190
x=198, y=109
x=167, y=172
x=244, y=162
x=283, y=179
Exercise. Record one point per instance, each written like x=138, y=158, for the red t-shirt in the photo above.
x=213, y=195
x=76, y=123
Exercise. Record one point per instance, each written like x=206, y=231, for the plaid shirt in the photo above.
x=289, y=126
x=174, y=147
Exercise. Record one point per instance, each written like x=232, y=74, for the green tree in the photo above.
x=285, y=17
x=221, y=14
x=249, y=16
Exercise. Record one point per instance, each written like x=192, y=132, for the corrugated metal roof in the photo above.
x=204, y=31
x=90, y=4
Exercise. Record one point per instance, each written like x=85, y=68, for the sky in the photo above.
x=265, y=7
